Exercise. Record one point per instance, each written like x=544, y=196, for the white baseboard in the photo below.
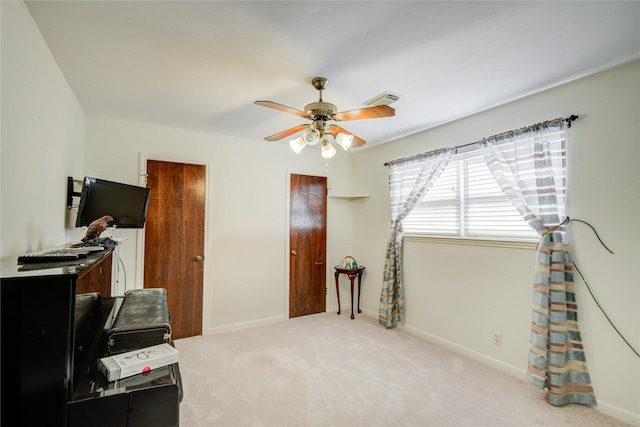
x=604, y=407
x=487, y=360
x=619, y=413
x=244, y=325
x=369, y=313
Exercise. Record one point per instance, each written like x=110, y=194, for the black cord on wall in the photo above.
x=591, y=292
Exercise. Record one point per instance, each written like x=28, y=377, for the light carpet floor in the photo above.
x=329, y=370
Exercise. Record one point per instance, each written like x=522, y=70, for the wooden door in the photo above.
x=307, y=242
x=174, y=241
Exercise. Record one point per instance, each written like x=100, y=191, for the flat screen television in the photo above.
x=127, y=204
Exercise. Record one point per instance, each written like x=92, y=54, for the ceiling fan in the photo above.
x=320, y=113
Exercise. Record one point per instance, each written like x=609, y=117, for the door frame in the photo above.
x=141, y=236
x=287, y=239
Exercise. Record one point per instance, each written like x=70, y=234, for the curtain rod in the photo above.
x=568, y=120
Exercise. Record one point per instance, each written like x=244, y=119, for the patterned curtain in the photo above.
x=530, y=167
x=422, y=171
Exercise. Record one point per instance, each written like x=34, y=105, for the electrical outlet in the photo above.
x=497, y=338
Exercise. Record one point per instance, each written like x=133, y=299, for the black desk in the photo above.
x=47, y=380
x=151, y=399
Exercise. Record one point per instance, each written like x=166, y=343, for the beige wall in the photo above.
x=458, y=295
x=246, y=242
x=455, y=295
x=42, y=138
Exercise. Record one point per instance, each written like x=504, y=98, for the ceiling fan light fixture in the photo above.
x=344, y=140
x=327, y=149
x=297, y=145
x=311, y=136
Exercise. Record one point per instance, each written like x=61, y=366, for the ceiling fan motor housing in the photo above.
x=320, y=109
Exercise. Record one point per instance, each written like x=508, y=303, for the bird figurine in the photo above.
x=96, y=228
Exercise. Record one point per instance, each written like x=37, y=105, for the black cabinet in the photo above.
x=37, y=349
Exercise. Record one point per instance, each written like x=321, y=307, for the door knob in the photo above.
x=294, y=253
x=198, y=258
x=319, y=263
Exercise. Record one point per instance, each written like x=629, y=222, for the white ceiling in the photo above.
x=200, y=65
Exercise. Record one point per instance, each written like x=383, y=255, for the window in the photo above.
x=466, y=202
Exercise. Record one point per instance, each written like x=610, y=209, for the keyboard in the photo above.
x=52, y=256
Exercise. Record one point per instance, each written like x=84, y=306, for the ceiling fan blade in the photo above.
x=286, y=133
x=284, y=108
x=357, y=141
x=365, y=113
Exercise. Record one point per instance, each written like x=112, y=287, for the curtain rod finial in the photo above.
x=570, y=119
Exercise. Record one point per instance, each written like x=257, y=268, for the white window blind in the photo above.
x=466, y=202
